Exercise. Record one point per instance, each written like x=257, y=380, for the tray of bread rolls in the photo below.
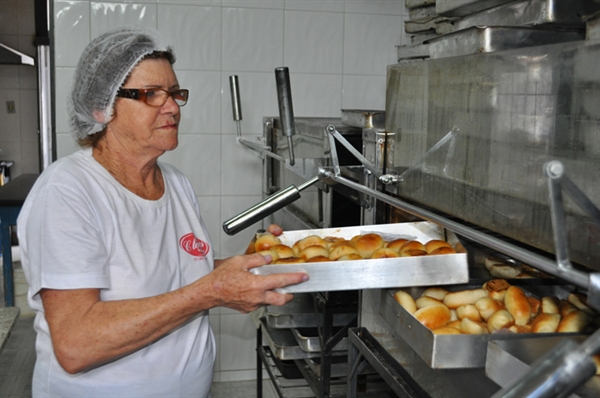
x=366, y=257
x=450, y=326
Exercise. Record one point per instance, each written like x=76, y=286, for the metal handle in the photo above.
x=286, y=110
x=234, y=87
x=266, y=207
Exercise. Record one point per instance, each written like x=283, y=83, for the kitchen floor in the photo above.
x=18, y=357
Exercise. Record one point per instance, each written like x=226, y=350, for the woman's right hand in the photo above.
x=232, y=284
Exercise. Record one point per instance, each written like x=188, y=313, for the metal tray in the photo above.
x=308, y=340
x=363, y=118
x=380, y=273
x=450, y=351
x=282, y=343
x=509, y=359
x=482, y=39
x=300, y=313
x=339, y=367
x=459, y=8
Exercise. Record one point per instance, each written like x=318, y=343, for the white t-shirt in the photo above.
x=80, y=228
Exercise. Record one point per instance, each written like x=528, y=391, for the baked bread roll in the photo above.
x=518, y=305
x=564, y=307
x=406, y=301
x=578, y=302
x=317, y=259
x=384, y=253
x=265, y=242
x=283, y=251
x=446, y=330
x=471, y=327
x=534, y=303
x=350, y=257
x=573, y=322
x=505, y=271
x=443, y=250
x=342, y=250
x=545, y=323
x=332, y=240
x=549, y=305
x=456, y=299
x=412, y=245
x=367, y=244
x=468, y=311
x=436, y=244
x=425, y=301
x=496, y=288
x=311, y=240
x=500, y=320
x=395, y=245
x=454, y=323
x=290, y=260
x=520, y=328
x=412, y=253
x=314, y=251
x=434, y=316
x=453, y=316
x=437, y=293
x=487, y=306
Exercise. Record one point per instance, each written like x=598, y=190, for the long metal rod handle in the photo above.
x=332, y=131
x=236, y=106
x=286, y=110
x=554, y=171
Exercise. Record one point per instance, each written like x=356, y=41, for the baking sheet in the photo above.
x=308, y=340
x=450, y=351
x=376, y=273
x=300, y=313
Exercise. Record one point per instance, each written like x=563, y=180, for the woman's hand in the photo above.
x=233, y=286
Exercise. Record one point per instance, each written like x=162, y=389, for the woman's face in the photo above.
x=143, y=129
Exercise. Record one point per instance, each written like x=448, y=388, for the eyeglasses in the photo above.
x=154, y=96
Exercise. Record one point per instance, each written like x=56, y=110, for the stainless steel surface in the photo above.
x=458, y=8
x=410, y=4
x=365, y=119
x=555, y=13
x=415, y=51
x=514, y=111
x=509, y=360
x=286, y=109
x=337, y=369
x=10, y=56
x=301, y=313
x=283, y=344
x=375, y=273
x=236, y=106
x=486, y=39
x=45, y=106
x=266, y=207
x=308, y=340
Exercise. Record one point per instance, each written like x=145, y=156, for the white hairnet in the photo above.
x=102, y=69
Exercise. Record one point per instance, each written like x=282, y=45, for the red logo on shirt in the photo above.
x=193, y=245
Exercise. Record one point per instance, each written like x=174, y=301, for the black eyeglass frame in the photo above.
x=141, y=94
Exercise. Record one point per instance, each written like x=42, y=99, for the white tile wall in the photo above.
x=337, y=52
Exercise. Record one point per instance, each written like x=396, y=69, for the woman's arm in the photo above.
x=87, y=332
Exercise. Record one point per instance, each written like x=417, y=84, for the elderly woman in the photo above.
x=118, y=260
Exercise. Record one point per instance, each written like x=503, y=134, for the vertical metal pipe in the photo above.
x=286, y=110
x=235, y=102
x=44, y=105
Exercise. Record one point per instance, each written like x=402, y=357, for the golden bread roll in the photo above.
x=453, y=316
x=545, y=323
x=520, y=328
x=274, y=256
x=443, y=250
x=332, y=240
x=491, y=260
x=534, y=303
x=507, y=271
x=350, y=257
x=564, y=307
x=500, y=320
x=446, y=330
x=434, y=316
x=573, y=322
x=524, y=275
x=463, y=297
x=436, y=244
x=406, y=301
x=517, y=304
x=342, y=250
x=578, y=302
x=384, y=252
x=290, y=260
x=412, y=245
x=496, y=288
x=367, y=244
x=487, y=306
x=340, y=242
x=265, y=242
x=395, y=245
x=437, y=293
x=318, y=259
x=313, y=251
x=354, y=239
x=499, y=296
x=468, y=311
x=468, y=326
x=425, y=301
x=412, y=253
x=311, y=240
x=549, y=305
x=283, y=251
x=454, y=323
